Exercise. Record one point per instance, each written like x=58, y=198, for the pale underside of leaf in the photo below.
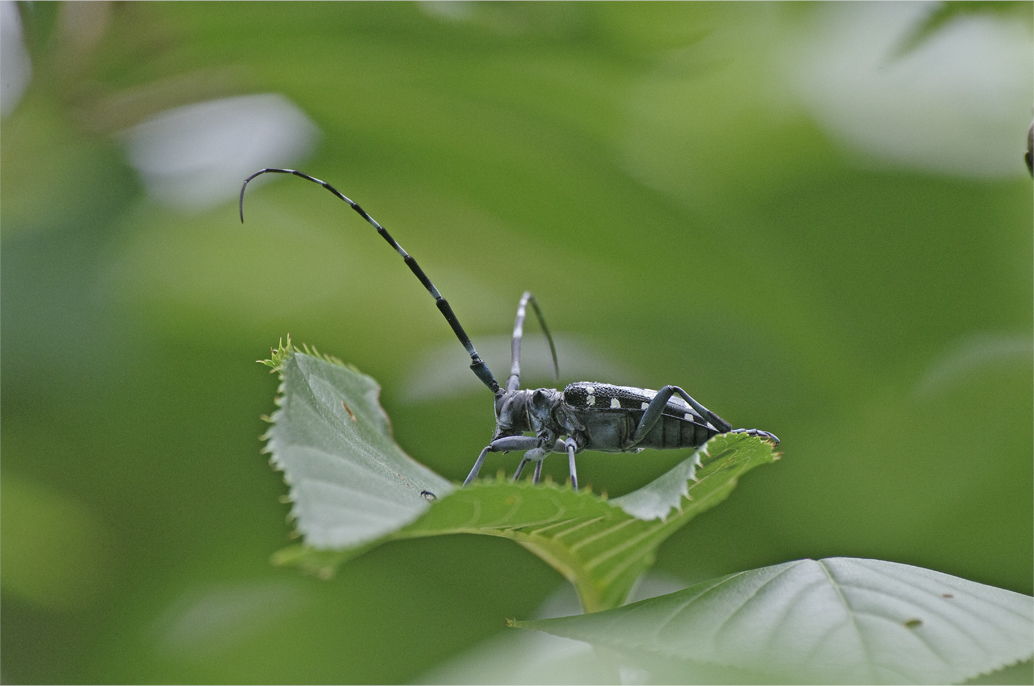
x=350, y=483
x=838, y=620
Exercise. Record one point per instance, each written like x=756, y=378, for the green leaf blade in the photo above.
x=353, y=488
x=350, y=483
x=570, y=531
x=838, y=620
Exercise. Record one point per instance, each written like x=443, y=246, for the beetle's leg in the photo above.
x=524, y=463
x=477, y=466
x=572, y=448
x=656, y=407
x=520, y=468
x=501, y=445
x=537, y=455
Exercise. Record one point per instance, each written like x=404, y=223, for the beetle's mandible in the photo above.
x=584, y=416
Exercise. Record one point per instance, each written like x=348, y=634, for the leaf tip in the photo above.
x=279, y=355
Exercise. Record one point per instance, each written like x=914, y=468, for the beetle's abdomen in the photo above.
x=671, y=432
x=611, y=415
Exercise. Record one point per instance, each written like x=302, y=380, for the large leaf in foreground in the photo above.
x=353, y=488
x=838, y=620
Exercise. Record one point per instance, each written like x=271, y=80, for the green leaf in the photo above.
x=353, y=488
x=350, y=484
x=837, y=620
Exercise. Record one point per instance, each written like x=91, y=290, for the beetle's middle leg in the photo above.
x=569, y=446
x=572, y=448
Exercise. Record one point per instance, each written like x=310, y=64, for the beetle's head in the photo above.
x=519, y=411
x=511, y=413
x=541, y=403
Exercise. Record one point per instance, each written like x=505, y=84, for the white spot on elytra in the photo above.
x=590, y=400
x=615, y=403
x=688, y=417
x=644, y=405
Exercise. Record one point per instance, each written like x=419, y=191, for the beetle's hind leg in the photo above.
x=653, y=412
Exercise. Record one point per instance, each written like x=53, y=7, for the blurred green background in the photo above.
x=813, y=227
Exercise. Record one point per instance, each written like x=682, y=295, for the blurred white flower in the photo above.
x=196, y=156
x=958, y=103
x=15, y=67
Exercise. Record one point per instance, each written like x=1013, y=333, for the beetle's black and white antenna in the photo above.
x=586, y=415
x=477, y=365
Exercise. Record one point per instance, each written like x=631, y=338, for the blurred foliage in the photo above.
x=638, y=166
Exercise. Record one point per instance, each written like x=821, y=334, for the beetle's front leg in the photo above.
x=502, y=445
